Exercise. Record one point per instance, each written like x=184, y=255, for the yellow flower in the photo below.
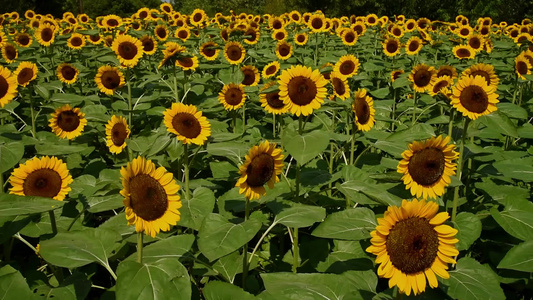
x=473, y=97
x=116, y=131
x=128, y=50
x=232, y=96
x=25, y=73
x=109, y=79
x=8, y=86
x=234, y=53
x=187, y=123
x=67, y=122
x=348, y=65
x=422, y=76
x=302, y=89
x=363, y=109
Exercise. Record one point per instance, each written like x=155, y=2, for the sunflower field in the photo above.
x=295, y=156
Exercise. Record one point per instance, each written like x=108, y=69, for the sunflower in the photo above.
x=396, y=74
x=76, y=41
x=427, y=166
x=234, y=52
x=170, y=54
x=284, y=50
x=341, y=89
x=128, y=50
x=441, y=85
x=301, y=38
x=348, y=37
x=83, y=18
x=111, y=21
x=45, y=34
x=183, y=33
x=295, y=16
x=363, y=109
x=150, y=196
x=302, y=89
x=95, y=39
x=476, y=42
x=464, y=52
x=371, y=19
x=166, y=7
x=43, y=177
x=251, y=35
x=149, y=44
x=522, y=66
x=8, y=86
x=396, y=31
x=348, y=65
x=143, y=13
x=187, y=123
x=251, y=75
x=197, y=17
x=67, y=73
x=276, y=23
x=391, y=46
x=410, y=25
x=447, y=70
x=232, y=96
x=422, y=76
x=23, y=39
x=25, y=73
x=271, y=101
x=279, y=35
x=414, y=45
x=317, y=23
x=473, y=97
x=187, y=62
x=116, y=131
x=161, y=32
x=412, y=244
x=484, y=70
x=262, y=166
x=67, y=122
x=3, y=38
x=109, y=79
x=270, y=69
x=209, y=50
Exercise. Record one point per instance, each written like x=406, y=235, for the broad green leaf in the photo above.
x=14, y=205
x=218, y=236
x=394, y=148
x=300, y=216
x=381, y=93
x=229, y=266
x=521, y=169
x=512, y=110
x=420, y=131
x=469, y=227
x=55, y=150
x=12, y=284
x=364, y=280
x=471, y=280
x=526, y=131
x=516, y=219
x=377, y=193
x=11, y=225
x=350, y=224
x=105, y=203
x=519, y=258
x=504, y=194
x=218, y=290
x=42, y=91
x=166, y=278
x=230, y=150
x=194, y=210
x=400, y=82
x=172, y=247
x=74, y=287
x=306, y=146
x=500, y=123
x=10, y=155
x=76, y=249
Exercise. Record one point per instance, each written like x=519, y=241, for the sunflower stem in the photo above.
x=295, y=251
x=53, y=221
x=32, y=112
x=414, y=109
x=352, y=144
x=175, y=83
x=450, y=125
x=274, y=125
x=20, y=238
x=459, y=169
x=130, y=113
x=186, y=170
x=245, y=247
x=140, y=247
x=243, y=119
x=261, y=240
x=1, y=183
x=393, y=110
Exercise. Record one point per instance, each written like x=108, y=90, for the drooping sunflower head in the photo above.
x=348, y=65
x=128, y=50
x=44, y=177
x=412, y=244
x=209, y=50
x=262, y=166
x=170, y=53
x=363, y=109
x=473, y=97
x=116, y=131
x=187, y=123
x=234, y=52
x=427, y=166
x=271, y=101
x=302, y=89
x=270, y=69
x=463, y=52
x=109, y=79
x=251, y=75
x=414, y=45
x=67, y=122
x=251, y=35
x=8, y=86
x=447, y=70
x=442, y=86
x=340, y=86
x=486, y=71
x=391, y=46
x=187, y=62
x=150, y=196
x=232, y=96
x=422, y=76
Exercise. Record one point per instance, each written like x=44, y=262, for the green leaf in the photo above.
x=229, y=266
x=471, y=280
x=218, y=290
x=306, y=146
x=469, y=227
x=521, y=169
x=163, y=279
x=74, y=287
x=10, y=155
x=14, y=205
x=377, y=193
x=194, y=211
x=218, y=236
x=300, y=216
x=516, y=219
x=500, y=123
x=400, y=82
x=350, y=224
x=381, y=93
x=231, y=150
x=392, y=147
x=512, y=110
x=42, y=91
x=56, y=150
x=519, y=258
x=418, y=132
x=172, y=247
x=12, y=284
x=105, y=203
x=76, y=249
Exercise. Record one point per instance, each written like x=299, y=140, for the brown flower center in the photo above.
x=463, y=52
x=76, y=41
x=260, y=170
x=413, y=46
x=119, y=134
x=483, y=74
x=464, y=32
x=24, y=76
x=474, y=43
x=412, y=245
x=112, y=23
x=349, y=37
x=392, y=46
x=317, y=23
x=446, y=71
x=274, y=101
x=197, y=17
x=271, y=70
x=127, y=50
x=148, y=198
x=110, y=80
x=148, y=44
x=233, y=96
x=277, y=24
x=249, y=77
x=183, y=34
x=300, y=38
x=10, y=51
x=521, y=67
x=68, y=120
x=422, y=77
x=185, y=62
x=4, y=87
x=474, y=99
x=396, y=32
x=427, y=166
x=362, y=110
x=234, y=53
x=284, y=50
x=209, y=50
x=338, y=86
x=23, y=39
x=161, y=32
x=47, y=34
x=302, y=90
x=186, y=125
x=43, y=183
x=95, y=37
x=347, y=67
x=440, y=85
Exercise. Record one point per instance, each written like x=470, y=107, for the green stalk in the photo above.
x=140, y=247
x=274, y=125
x=459, y=169
x=295, y=251
x=1, y=183
x=53, y=221
x=186, y=170
x=243, y=119
x=32, y=112
x=414, y=109
x=450, y=125
x=393, y=110
x=175, y=83
x=245, y=264
x=352, y=145
x=130, y=112
x=297, y=188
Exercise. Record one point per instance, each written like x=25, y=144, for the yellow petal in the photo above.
x=439, y=218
